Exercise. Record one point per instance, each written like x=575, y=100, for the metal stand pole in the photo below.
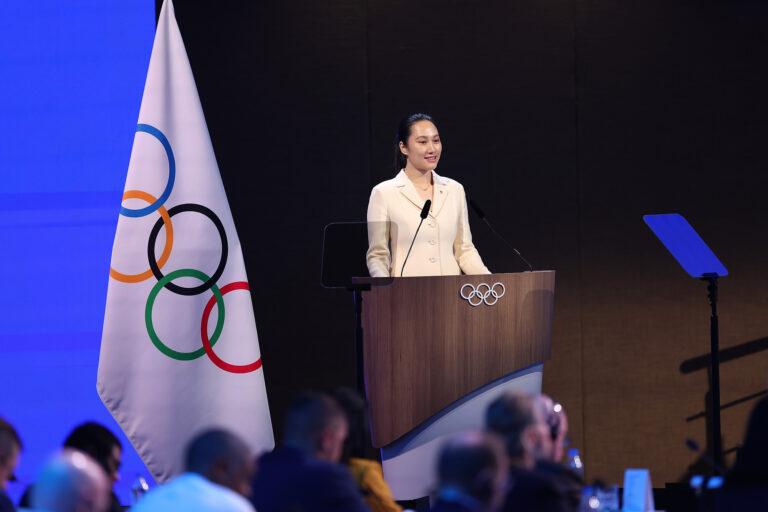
x=357, y=294
x=714, y=373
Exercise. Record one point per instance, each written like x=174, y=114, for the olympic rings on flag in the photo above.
x=128, y=212
x=208, y=345
x=165, y=281
x=137, y=278
x=154, y=265
x=162, y=347
x=480, y=296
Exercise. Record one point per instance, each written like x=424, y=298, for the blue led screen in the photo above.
x=72, y=79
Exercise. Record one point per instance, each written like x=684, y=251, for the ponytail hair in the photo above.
x=403, y=133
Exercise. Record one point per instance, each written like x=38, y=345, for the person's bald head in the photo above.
x=72, y=482
x=473, y=464
x=223, y=458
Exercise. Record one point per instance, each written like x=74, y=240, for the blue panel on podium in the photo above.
x=685, y=244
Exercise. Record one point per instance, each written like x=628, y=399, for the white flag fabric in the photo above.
x=179, y=350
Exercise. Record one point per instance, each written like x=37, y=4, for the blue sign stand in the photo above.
x=700, y=262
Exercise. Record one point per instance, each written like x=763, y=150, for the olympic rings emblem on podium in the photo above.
x=483, y=293
x=165, y=281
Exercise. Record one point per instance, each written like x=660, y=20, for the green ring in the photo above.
x=174, y=354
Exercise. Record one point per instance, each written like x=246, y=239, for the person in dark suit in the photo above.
x=751, y=469
x=10, y=447
x=304, y=474
x=472, y=473
x=366, y=472
x=746, y=484
x=519, y=421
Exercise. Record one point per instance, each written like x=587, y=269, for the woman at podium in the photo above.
x=444, y=244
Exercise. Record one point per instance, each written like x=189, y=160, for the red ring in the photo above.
x=232, y=368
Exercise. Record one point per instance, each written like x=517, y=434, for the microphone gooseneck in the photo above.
x=423, y=215
x=480, y=213
x=694, y=447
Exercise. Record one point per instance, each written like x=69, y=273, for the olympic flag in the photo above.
x=179, y=349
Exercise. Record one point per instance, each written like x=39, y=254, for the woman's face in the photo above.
x=423, y=147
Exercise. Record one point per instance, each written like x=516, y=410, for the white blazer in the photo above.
x=444, y=243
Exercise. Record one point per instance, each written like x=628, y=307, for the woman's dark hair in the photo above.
x=358, y=442
x=750, y=468
x=96, y=440
x=403, y=132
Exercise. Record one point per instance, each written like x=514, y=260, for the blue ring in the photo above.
x=128, y=212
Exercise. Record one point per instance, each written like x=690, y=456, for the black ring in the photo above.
x=189, y=207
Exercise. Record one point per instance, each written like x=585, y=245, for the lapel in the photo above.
x=440, y=193
x=406, y=187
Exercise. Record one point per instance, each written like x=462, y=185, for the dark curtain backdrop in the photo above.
x=567, y=120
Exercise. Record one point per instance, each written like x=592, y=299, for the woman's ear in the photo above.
x=403, y=148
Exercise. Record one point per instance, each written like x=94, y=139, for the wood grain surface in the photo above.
x=426, y=347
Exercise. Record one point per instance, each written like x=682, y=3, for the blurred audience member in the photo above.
x=72, y=482
x=472, y=473
x=551, y=462
x=97, y=441
x=102, y=446
x=751, y=467
x=557, y=421
x=218, y=470
x=10, y=448
x=304, y=473
x=520, y=422
x=746, y=484
x=367, y=473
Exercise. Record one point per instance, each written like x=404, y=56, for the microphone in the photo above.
x=425, y=209
x=480, y=213
x=423, y=215
x=694, y=447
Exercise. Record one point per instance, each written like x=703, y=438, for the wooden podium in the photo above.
x=425, y=346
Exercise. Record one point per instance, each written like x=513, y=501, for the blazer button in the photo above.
x=431, y=225
x=433, y=259
x=431, y=242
